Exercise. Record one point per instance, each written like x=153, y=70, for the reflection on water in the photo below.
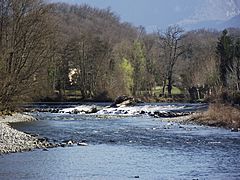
x=122, y=148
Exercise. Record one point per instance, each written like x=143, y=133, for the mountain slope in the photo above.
x=233, y=22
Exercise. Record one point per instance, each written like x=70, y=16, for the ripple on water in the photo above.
x=120, y=148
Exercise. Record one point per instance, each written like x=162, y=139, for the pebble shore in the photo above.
x=12, y=140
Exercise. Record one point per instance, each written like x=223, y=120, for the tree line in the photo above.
x=49, y=50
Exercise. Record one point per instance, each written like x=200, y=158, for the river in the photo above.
x=125, y=147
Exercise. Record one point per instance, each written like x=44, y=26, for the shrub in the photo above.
x=222, y=115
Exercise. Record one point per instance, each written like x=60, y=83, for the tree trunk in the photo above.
x=83, y=94
x=163, y=87
x=169, y=88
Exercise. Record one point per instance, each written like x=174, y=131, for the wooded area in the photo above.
x=49, y=50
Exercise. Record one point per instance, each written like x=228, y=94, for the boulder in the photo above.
x=168, y=114
x=122, y=101
x=92, y=110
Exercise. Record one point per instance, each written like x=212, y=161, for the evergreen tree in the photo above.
x=225, y=51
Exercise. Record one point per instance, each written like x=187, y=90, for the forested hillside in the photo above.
x=55, y=51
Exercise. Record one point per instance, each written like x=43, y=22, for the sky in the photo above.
x=153, y=14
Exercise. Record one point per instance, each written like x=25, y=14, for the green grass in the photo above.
x=73, y=92
x=158, y=90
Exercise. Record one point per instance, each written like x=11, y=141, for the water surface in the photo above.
x=124, y=148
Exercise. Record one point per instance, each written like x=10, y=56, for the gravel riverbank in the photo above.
x=12, y=140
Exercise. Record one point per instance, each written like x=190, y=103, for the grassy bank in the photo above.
x=219, y=115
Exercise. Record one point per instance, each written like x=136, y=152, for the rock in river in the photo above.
x=122, y=101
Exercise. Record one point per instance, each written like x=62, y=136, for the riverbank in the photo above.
x=12, y=140
x=219, y=115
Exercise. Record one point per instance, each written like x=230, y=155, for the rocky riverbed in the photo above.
x=12, y=140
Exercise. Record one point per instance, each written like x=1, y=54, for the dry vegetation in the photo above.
x=221, y=115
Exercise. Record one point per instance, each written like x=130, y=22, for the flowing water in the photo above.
x=125, y=147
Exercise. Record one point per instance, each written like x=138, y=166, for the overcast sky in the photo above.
x=161, y=13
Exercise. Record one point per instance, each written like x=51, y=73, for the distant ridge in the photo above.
x=234, y=22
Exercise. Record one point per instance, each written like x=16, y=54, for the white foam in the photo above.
x=80, y=109
x=131, y=110
x=134, y=110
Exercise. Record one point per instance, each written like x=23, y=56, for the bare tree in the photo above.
x=171, y=44
x=24, y=46
x=237, y=57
